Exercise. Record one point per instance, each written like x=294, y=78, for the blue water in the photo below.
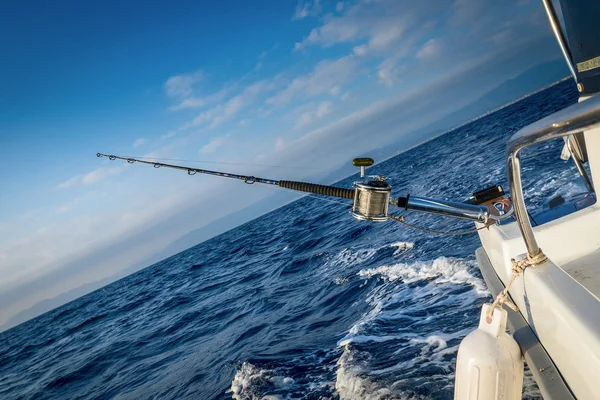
x=303, y=302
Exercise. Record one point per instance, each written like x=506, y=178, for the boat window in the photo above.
x=552, y=187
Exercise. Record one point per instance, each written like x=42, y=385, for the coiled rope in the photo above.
x=517, y=268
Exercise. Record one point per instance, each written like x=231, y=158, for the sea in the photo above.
x=304, y=302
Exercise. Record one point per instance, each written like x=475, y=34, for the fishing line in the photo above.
x=400, y=218
x=227, y=163
x=314, y=196
x=329, y=200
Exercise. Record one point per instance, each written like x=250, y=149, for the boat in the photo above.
x=557, y=322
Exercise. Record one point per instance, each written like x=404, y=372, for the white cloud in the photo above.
x=380, y=23
x=360, y=50
x=65, y=207
x=323, y=109
x=139, y=142
x=384, y=37
x=309, y=113
x=169, y=134
x=393, y=120
x=91, y=177
x=99, y=174
x=339, y=6
x=220, y=113
x=326, y=76
x=307, y=9
x=431, y=49
x=394, y=28
x=168, y=150
x=388, y=72
x=70, y=182
x=180, y=86
x=279, y=144
x=203, y=101
x=214, y=144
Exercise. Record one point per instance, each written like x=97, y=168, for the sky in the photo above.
x=306, y=85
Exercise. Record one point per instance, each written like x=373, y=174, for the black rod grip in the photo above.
x=318, y=189
x=401, y=202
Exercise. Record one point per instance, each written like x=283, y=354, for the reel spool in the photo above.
x=371, y=197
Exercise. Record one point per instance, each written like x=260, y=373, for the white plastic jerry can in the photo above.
x=489, y=365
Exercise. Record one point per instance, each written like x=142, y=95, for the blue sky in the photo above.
x=309, y=83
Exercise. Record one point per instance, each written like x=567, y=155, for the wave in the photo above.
x=402, y=247
x=400, y=321
x=440, y=270
x=352, y=256
x=351, y=384
x=250, y=382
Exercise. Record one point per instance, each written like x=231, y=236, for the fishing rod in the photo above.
x=371, y=195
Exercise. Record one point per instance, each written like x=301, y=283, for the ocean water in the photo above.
x=302, y=303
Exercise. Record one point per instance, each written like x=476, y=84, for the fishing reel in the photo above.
x=371, y=195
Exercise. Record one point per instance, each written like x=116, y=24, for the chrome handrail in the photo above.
x=569, y=121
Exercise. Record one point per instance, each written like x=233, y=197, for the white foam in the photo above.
x=355, y=379
x=243, y=380
x=402, y=247
x=434, y=349
x=367, y=338
x=249, y=377
x=440, y=273
x=441, y=270
x=281, y=381
x=433, y=341
x=351, y=384
x=340, y=280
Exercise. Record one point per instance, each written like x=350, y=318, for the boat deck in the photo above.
x=586, y=271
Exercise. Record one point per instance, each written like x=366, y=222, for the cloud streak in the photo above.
x=223, y=112
x=181, y=86
x=90, y=178
x=139, y=142
x=327, y=76
x=214, y=145
x=307, y=9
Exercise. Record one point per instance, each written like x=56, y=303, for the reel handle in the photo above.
x=363, y=163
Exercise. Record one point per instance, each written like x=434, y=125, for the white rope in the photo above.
x=517, y=268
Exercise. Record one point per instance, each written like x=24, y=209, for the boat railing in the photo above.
x=569, y=121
